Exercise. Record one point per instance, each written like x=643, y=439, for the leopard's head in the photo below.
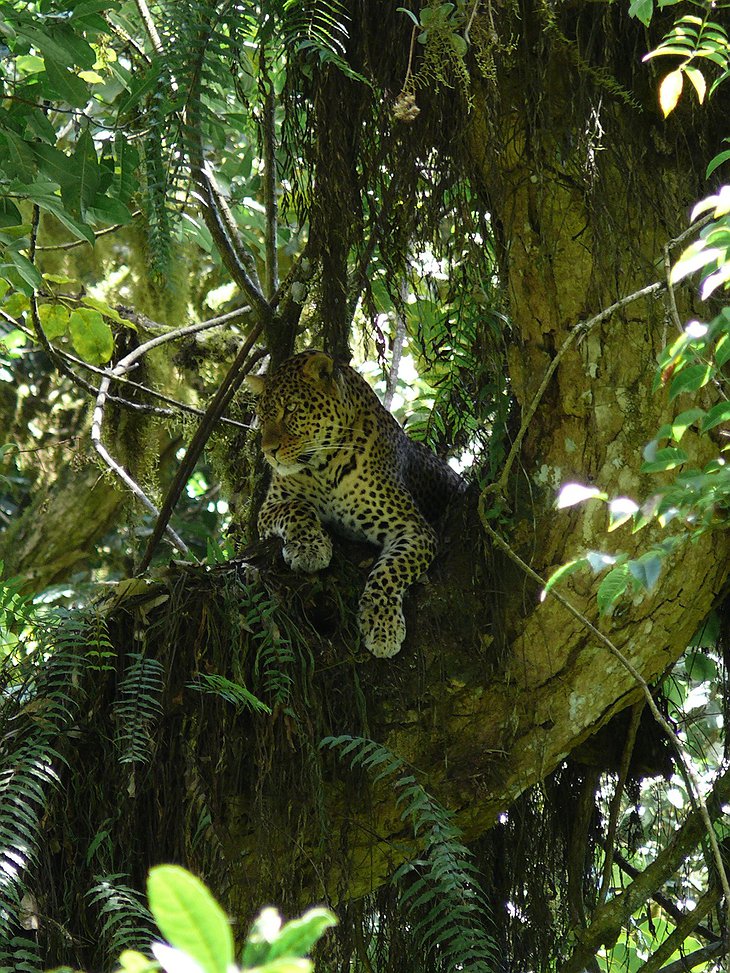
x=304, y=411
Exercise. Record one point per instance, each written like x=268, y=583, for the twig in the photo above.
x=683, y=758
x=72, y=244
x=689, y=922
x=608, y=918
x=662, y=900
x=122, y=366
x=692, y=960
x=582, y=328
x=223, y=396
x=636, y=710
x=266, y=86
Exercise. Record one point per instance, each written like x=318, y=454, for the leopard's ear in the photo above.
x=318, y=368
x=257, y=383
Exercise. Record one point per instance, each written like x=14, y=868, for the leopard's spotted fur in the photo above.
x=338, y=457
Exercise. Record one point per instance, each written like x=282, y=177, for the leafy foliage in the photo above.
x=441, y=889
x=199, y=933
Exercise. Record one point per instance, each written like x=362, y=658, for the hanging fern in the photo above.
x=231, y=692
x=39, y=705
x=124, y=922
x=137, y=709
x=440, y=890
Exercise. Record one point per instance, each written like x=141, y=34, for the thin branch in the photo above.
x=582, y=328
x=266, y=85
x=670, y=907
x=689, y=923
x=218, y=404
x=72, y=244
x=636, y=710
x=149, y=25
x=692, y=960
x=499, y=485
x=700, y=811
x=120, y=368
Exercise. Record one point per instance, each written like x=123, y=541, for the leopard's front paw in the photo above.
x=382, y=625
x=308, y=554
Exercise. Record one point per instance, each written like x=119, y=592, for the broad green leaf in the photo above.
x=190, y=918
x=108, y=210
x=665, y=459
x=700, y=666
x=695, y=257
x=612, y=587
x=87, y=170
x=722, y=351
x=53, y=204
x=717, y=414
x=684, y=420
x=106, y=309
x=10, y=214
x=690, y=379
x=297, y=937
x=65, y=84
x=646, y=569
x=642, y=10
x=599, y=561
x=91, y=336
x=55, y=319
x=717, y=161
x=173, y=960
x=27, y=270
x=711, y=283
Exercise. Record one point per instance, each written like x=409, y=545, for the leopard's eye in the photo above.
x=291, y=407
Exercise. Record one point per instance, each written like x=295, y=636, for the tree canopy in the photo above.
x=511, y=218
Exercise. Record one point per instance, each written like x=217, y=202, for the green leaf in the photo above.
x=717, y=414
x=563, y=572
x=684, y=420
x=91, y=336
x=665, y=459
x=717, y=161
x=106, y=309
x=65, y=84
x=54, y=205
x=190, y=918
x=642, y=10
x=298, y=937
x=86, y=165
x=620, y=510
x=131, y=961
x=27, y=270
x=690, y=379
x=55, y=320
x=612, y=587
x=722, y=350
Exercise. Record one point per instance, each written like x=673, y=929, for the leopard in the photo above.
x=340, y=460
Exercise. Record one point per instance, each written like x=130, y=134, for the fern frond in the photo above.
x=440, y=891
x=137, y=709
x=231, y=692
x=124, y=920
